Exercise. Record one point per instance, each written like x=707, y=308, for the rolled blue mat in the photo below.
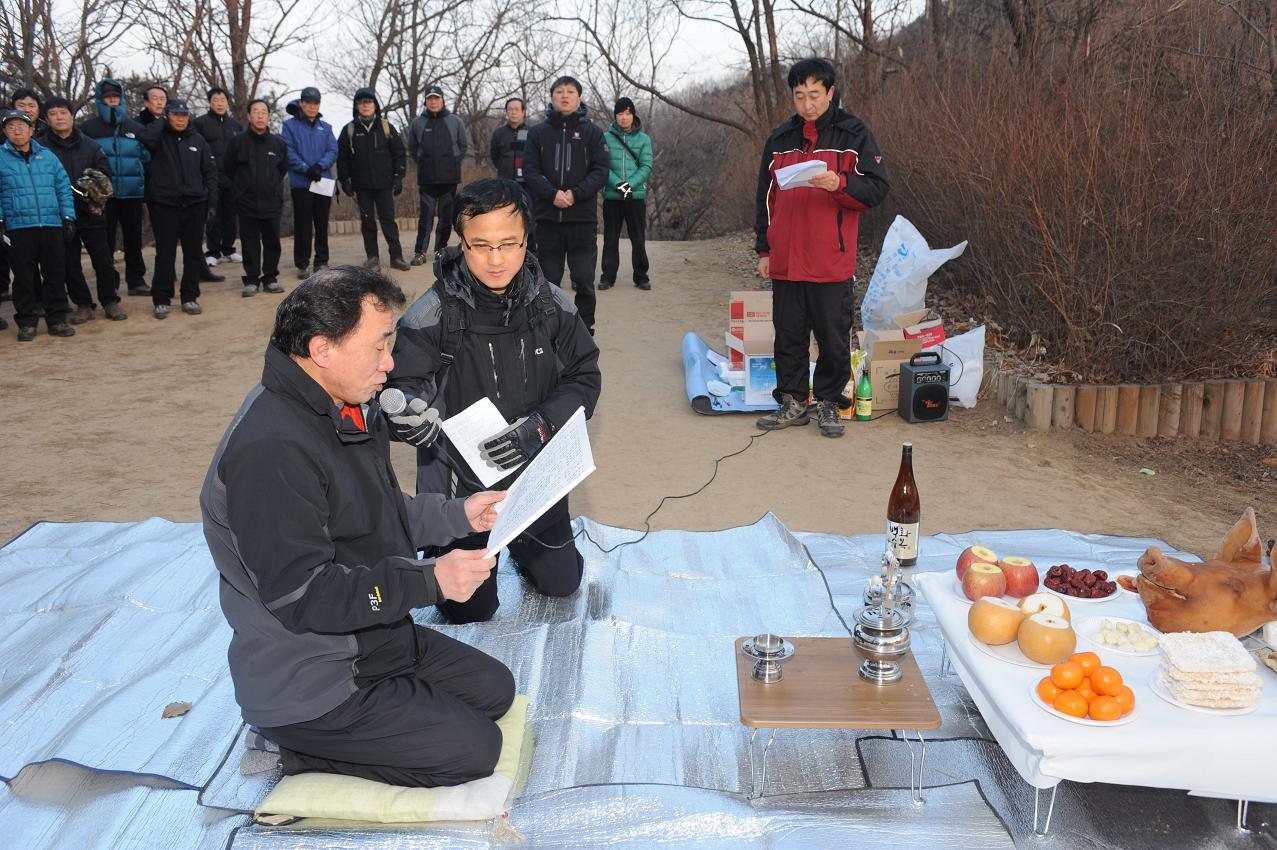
x=698, y=371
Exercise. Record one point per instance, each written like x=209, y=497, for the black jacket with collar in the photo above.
x=565, y=153
x=256, y=165
x=316, y=546
x=78, y=152
x=218, y=130
x=181, y=172
x=370, y=157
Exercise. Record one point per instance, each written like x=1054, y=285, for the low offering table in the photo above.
x=1206, y=752
x=821, y=688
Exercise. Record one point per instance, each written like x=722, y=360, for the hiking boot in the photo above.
x=140, y=289
x=398, y=264
x=61, y=329
x=827, y=416
x=114, y=312
x=272, y=286
x=234, y=257
x=373, y=264
x=644, y=285
x=791, y=412
x=249, y=290
x=605, y=284
x=210, y=260
x=192, y=308
x=321, y=267
x=160, y=311
x=26, y=333
x=82, y=313
x=209, y=276
x=303, y=272
x=420, y=258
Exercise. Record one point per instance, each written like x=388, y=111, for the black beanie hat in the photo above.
x=622, y=104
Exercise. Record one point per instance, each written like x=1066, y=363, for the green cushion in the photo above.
x=330, y=795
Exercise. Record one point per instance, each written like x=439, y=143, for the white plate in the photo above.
x=1008, y=652
x=1089, y=628
x=957, y=591
x=1085, y=721
x=1160, y=689
x=1114, y=595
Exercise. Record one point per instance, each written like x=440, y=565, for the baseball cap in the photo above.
x=176, y=106
x=15, y=115
x=310, y=93
x=434, y=91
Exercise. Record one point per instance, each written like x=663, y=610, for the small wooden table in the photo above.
x=821, y=689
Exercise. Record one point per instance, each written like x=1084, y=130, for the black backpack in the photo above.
x=455, y=319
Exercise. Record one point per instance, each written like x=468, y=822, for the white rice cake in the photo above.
x=1207, y=652
x=1210, y=698
x=1203, y=680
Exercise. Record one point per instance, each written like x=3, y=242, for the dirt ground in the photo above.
x=119, y=423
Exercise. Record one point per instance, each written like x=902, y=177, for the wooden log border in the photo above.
x=1238, y=410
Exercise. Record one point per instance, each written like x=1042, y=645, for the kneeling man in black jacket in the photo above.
x=493, y=326
x=317, y=550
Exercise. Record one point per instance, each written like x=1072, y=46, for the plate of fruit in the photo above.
x=1035, y=632
x=1083, y=690
x=981, y=572
x=1085, y=585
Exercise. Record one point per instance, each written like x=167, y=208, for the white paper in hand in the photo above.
x=799, y=174
x=325, y=186
x=562, y=463
x=469, y=429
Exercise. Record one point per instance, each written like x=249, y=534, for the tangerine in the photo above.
x=1067, y=675
x=1089, y=661
x=1070, y=703
x=1126, y=699
x=1048, y=691
x=1106, y=681
x=1105, y=708
x=1087, y=691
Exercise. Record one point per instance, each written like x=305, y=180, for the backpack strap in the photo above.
x=542, y=309
x=455, y=321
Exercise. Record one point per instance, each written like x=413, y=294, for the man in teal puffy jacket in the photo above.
x=37, y=217
x=624, y=195
x=118, y=136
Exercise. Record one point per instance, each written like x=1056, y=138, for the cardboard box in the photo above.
x=887, y=349
x=917, y=325
x=749, y=320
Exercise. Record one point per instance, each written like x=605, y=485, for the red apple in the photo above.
x=1022, y=576
x=983, y=580
x=972, y=555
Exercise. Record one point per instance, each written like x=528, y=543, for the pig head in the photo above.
x=1230, y=593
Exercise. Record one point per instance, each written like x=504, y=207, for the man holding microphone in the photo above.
x=318, y=547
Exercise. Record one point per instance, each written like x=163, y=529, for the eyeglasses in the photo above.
x=504, y=249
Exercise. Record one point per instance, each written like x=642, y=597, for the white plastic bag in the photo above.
x=964, y=355
x=899, y=282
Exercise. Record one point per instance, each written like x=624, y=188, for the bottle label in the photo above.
x=902, y=537
x=864, y=408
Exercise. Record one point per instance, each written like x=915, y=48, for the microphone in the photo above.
x=394, y=402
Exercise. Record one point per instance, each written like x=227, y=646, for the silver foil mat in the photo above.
x=56, y=806
x=102, y=625
x=646, y=816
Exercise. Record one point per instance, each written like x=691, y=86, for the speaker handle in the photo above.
x=918, y=359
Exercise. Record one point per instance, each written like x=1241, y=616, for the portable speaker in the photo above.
x=924, y=388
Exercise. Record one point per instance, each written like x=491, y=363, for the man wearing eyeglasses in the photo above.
x=493, y=326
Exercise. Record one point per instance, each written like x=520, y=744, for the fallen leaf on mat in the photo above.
x=176, y=709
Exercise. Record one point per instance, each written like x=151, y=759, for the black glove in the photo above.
x=68, y=230
x=625, y=189
x=314, y=173
x=418, y=425
x=398, y=186
x=347, y=187
x=518, y=443
x=3, y=237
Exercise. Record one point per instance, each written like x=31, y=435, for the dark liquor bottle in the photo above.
x=904, y=511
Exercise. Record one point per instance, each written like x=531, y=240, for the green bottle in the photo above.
x=864, y=397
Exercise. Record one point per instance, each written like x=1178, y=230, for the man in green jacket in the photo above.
x=623, y=197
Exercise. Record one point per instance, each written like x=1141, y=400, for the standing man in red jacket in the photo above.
x=806, y=243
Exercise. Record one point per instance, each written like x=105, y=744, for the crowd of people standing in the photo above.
x=208, y=182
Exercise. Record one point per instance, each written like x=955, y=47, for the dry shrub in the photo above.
x=1128, y=217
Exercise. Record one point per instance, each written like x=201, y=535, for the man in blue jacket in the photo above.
x=37, y=217
x=117, y=134
x=312, y=153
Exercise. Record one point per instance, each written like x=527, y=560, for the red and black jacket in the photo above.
x=808, y=233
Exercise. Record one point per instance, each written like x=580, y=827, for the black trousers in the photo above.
x=4, y=268
x=107, y=278
x=126, y=213
x=219, y=230
x=552, y=571
x=800, y=309
x=575, y=243
x=434, y=199
x=632, y=214
x=434, y=726
x=378, y=205
x=310, y=221
x=173, y=225
x=260, y=240
x=38, y=258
